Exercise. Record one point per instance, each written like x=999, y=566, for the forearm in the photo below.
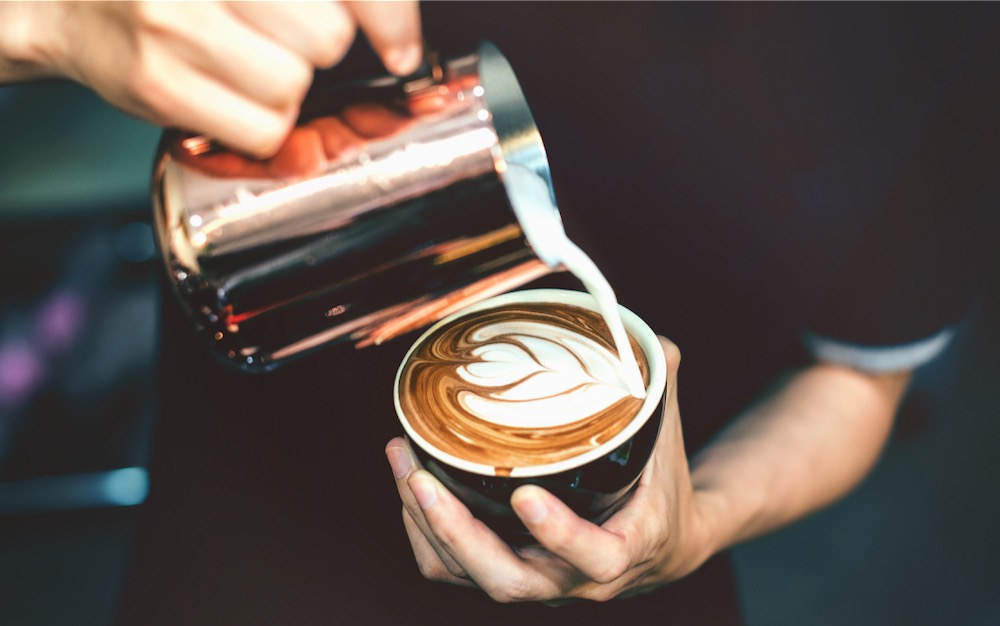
x=800, y=448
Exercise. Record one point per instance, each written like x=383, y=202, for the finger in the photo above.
x=404, y=463
x=672, y=354
x=490, y=562
x=432, y=567
x=321, y=32
x=600, y=555
x=227, y=49
x=193, y=101
x=261, y=69
x=393, y=29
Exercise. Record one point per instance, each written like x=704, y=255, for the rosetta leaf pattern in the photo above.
x=527, y=380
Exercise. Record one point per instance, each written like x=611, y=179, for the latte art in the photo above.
x=519, y=385
x=564, y=376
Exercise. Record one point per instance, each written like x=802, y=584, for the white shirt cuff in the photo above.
x=878, y=359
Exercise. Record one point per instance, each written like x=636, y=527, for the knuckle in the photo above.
x=517, y=590
x=143, y=83
x=433, y=570
x=299, y=79
x=291, y=82
x=504, y=596
x=263, y=145
x=151, y=15
x=498, y=595
x=671, y=352
x=456, y=570
x=612, y=569
x=602, y=594
x=269, y=134
x=333, y=43
x=446, y=537
x=283, y=84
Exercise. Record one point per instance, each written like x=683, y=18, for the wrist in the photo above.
x=731, y=511
x=702, y=535
x=712, y=521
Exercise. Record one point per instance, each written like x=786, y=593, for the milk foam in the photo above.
x=519, y=385
x=539, y=376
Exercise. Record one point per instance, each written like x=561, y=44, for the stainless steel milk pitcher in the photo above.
x=392, y=204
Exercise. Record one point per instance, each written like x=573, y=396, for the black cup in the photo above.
x=594, y=484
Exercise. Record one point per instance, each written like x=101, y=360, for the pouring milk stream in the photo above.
x=550, y=242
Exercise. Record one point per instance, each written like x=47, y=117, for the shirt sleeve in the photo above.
x=919, y=266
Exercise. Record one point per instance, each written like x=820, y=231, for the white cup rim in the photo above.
x=643, y=334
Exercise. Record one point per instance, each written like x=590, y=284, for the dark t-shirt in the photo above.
x=744, y=174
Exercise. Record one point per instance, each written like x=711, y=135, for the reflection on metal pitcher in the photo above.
x=385, y=210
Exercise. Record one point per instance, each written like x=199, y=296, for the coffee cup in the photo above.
x=525, y=388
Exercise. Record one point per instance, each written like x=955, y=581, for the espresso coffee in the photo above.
x=523, y=384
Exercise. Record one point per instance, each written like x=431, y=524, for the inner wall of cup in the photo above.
x=636, y=327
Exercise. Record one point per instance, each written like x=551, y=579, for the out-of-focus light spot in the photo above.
x=199, y=239
x=21, y=371
x=60, y=320
x=126, y=487
x=195, y=221
x=483, y=115
x=478, y=91
x=197, y=145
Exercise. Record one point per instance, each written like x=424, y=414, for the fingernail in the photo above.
x=424, y=490
x=403, y=61
x=531, y=509
x=399, y=461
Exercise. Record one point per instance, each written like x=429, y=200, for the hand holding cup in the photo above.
x=658, y=535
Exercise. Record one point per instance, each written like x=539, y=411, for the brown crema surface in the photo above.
x=430, y=387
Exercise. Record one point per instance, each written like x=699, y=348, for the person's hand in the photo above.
x=235, y=71
x=659, y=536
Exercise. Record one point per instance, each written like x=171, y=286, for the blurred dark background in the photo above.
x=915, y=544
x=78, y=313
